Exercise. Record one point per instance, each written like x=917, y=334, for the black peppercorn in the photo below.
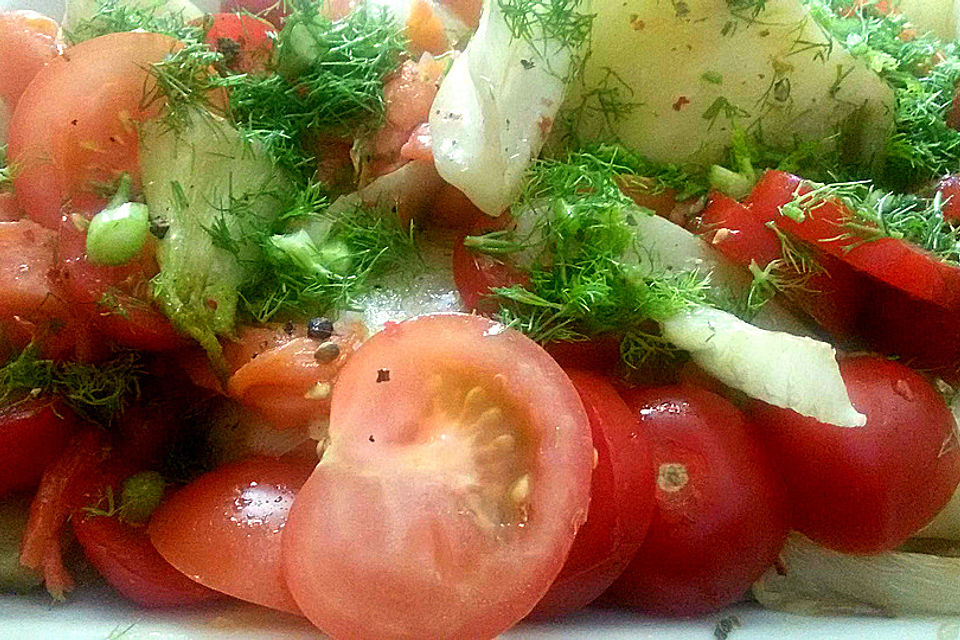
x=319, y=328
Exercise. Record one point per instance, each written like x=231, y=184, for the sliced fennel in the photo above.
x=498, y=102
x=822, y=582
x=204, y=185
x=784, y=370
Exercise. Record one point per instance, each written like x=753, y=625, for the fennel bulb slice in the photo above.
x=793, y=372
x=822, y=582
x=498, y=102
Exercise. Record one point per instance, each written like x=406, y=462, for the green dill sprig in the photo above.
x=96, y=392
x=876, y=213
x=331, y=82
x=547, y=24
x=116, y=16
x=581, y=257
x=923, y=72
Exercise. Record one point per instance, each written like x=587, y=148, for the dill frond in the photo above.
x=875, y=213
x=116, y=16
x=96, y=392
x=582, y=253
x=546, y=23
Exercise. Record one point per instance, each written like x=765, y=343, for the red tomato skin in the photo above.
x=111, y=296
x=74, y=126
x=718, y=526
x=621, y=501
x=739, y=234
x=602, y=353
x=123, y=555
x=32, y=435
x=246, y=41
x=949, y=189
x=28, y=41
x=223, y=529
x=893, y=261
x=866, y=490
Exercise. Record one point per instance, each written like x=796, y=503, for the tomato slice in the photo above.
x=32, y=435
x=721, y=514
x=223, y=529
x=28, y=41
x=455, y=476
x=890, y=260
x=74, y=128
x=621, y=501
x=478, y=274
x=245, y=41
x=123, y=555
x=867, y=489
x=115, y=298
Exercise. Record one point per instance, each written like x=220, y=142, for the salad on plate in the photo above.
x=425, y=318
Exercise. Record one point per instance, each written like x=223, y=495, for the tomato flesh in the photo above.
x=223, y=529
x=28, y=41
x=454, y=477
x=74, y=128
x=621, y=501
x=867, y=489
x=720, y=519
x=32, y=435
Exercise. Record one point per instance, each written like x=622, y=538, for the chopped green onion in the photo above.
x=117, y=234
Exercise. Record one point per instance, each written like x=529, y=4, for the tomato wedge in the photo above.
x=455, y=475
x=28, y=41
x=74, y=128
x=893, y=261
x=223, y=529
x=32, y=435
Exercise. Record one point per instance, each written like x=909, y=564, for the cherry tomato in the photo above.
x=9, y=210
x=599, y=354
x=74, y=129
x=455, y=475
x=245, y=41
x=32, y=435
x=117, y=299
x=867, y=489
x=949, y=190
x=62, y=489
x=740, y=235
x=893, y=261
x=643, y=192
x=223, y=529
x=29, y=309
x=28, y=41
x=621, y=501
x=720, y=519
x=122, y=554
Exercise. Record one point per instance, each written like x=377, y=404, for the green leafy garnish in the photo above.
x=118, y=16
x=6, y=172
x=582, y=253
x=97, y=393
x=546, y=23
x=876, y=213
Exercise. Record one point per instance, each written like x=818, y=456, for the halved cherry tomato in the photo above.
x=74, y=129
x=62, y=489
x=223, y=529
x=867, y=489
x=455, y=476
x=122, y=554
x=245, y=41
x=720, y=519
x=739, y=234
x=32, y=435
x=893, y=261
x=9, y=210
x=621, y=501
x=28, y=41
x=599, y=354
x=949, y=190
